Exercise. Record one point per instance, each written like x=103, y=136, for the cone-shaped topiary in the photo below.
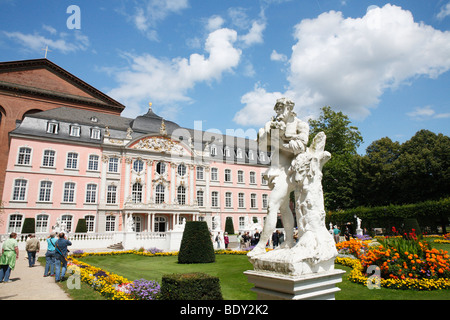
x=81, y=226
x=28, y=225
x=229, y=225
x=196, y=245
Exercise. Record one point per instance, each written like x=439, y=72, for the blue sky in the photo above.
x=221, y=64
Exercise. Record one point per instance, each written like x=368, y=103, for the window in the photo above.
x=159, y=194
x=181, y=170
x=160, y=224
x=241, y=202
x=239, y=153
x=24, y=156
x=262, y=156
x=41, y=223
x=91, y=193
x=181, y=195
x=67, y=219
x=253, y=201
x=48, y=159
x=136, y=193
x=75, y=130
x=111, y=194
x=214, y=199
x=227, y=199
x=110, y=223
x=200, y=173
x=252, y=178
x=264, y=201
x=90, y=223
x=250, y=155
x=15, y=223
x=160, y=167
x=138, y=165
x=240, y=176
x=227, y=151
x=52, y=127
x=69, y=192
x=20, y=189
x=72, y=160
x=263, y=180
x=45, y=191
x=95, y=133
x=93, y=162
x=113, y=164
x=214, y=174
x=241, y=222
x=200, y=201
x=227, y=175
x=213, y=150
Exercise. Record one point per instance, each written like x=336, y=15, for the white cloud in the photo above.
x=275, y=56
x=148, y=14
x=214, y=23
x=165, y=82
x=425, y=113
x=255, y=34
x=445, y=12
x=61, y=42
x=349, y=63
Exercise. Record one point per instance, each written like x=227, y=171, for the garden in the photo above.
x=389, y=268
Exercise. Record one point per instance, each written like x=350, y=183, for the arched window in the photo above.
x=160, y=224
x=182, y=170
x=136, y=193
x=181, y=195
x=159, y=193
x=138, y=165
x=15, y=223
x=67, y=219
x=160, y=167
x=42, y=223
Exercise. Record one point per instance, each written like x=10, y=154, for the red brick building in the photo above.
x=31, y=86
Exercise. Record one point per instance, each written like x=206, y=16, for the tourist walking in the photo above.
x=275, y=238
x=60, y=255
x=32, y=247
x=226, y=240
x=50, y=258
x=336, y=233
x=10, y=253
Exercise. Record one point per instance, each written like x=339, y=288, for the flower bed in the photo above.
x=115, y=287
x=401, y=263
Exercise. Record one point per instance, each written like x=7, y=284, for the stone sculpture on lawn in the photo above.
x=294, y=167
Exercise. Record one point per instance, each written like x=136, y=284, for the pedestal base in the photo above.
x=314, y=286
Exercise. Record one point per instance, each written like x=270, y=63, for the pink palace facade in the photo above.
x=65, y=164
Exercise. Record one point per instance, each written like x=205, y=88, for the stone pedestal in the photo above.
x=359, y=232
x=313, y=286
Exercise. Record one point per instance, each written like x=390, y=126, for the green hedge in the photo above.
x=196, y=245
x=429, y=215
x=229, y=227
x=190, y=286
x=81, y=226
x=29, y=226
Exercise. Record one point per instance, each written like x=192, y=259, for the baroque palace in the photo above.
x=71, y=156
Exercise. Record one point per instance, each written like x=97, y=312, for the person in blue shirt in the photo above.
x=50, y=255
x=61, y=256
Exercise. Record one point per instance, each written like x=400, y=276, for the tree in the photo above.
x=377, y=182
x=229, y=227
x=81, y=226
x=196, y=245
x=424, y=167
x=29, y=226
x=342, y=142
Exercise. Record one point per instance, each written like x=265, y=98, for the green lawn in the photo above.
x=229, y=269
x=234, y=284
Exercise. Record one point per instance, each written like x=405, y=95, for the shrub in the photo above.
x=190, y=286
x=229, y=227
x=28, y=226
x=196, y=245
x=81, y=226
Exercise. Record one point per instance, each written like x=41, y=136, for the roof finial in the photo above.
x=46, y=50
x=150, y=106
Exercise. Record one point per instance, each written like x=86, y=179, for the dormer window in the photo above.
x=94, y=119
x=95, y=133
x=75, y=130
x=52, y=127
x=239, y=153
x=213, y=150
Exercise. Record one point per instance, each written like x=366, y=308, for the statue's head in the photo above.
x=284, y=106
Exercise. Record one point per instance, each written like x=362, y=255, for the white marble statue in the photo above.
x=294, y=167
x=130, y=223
